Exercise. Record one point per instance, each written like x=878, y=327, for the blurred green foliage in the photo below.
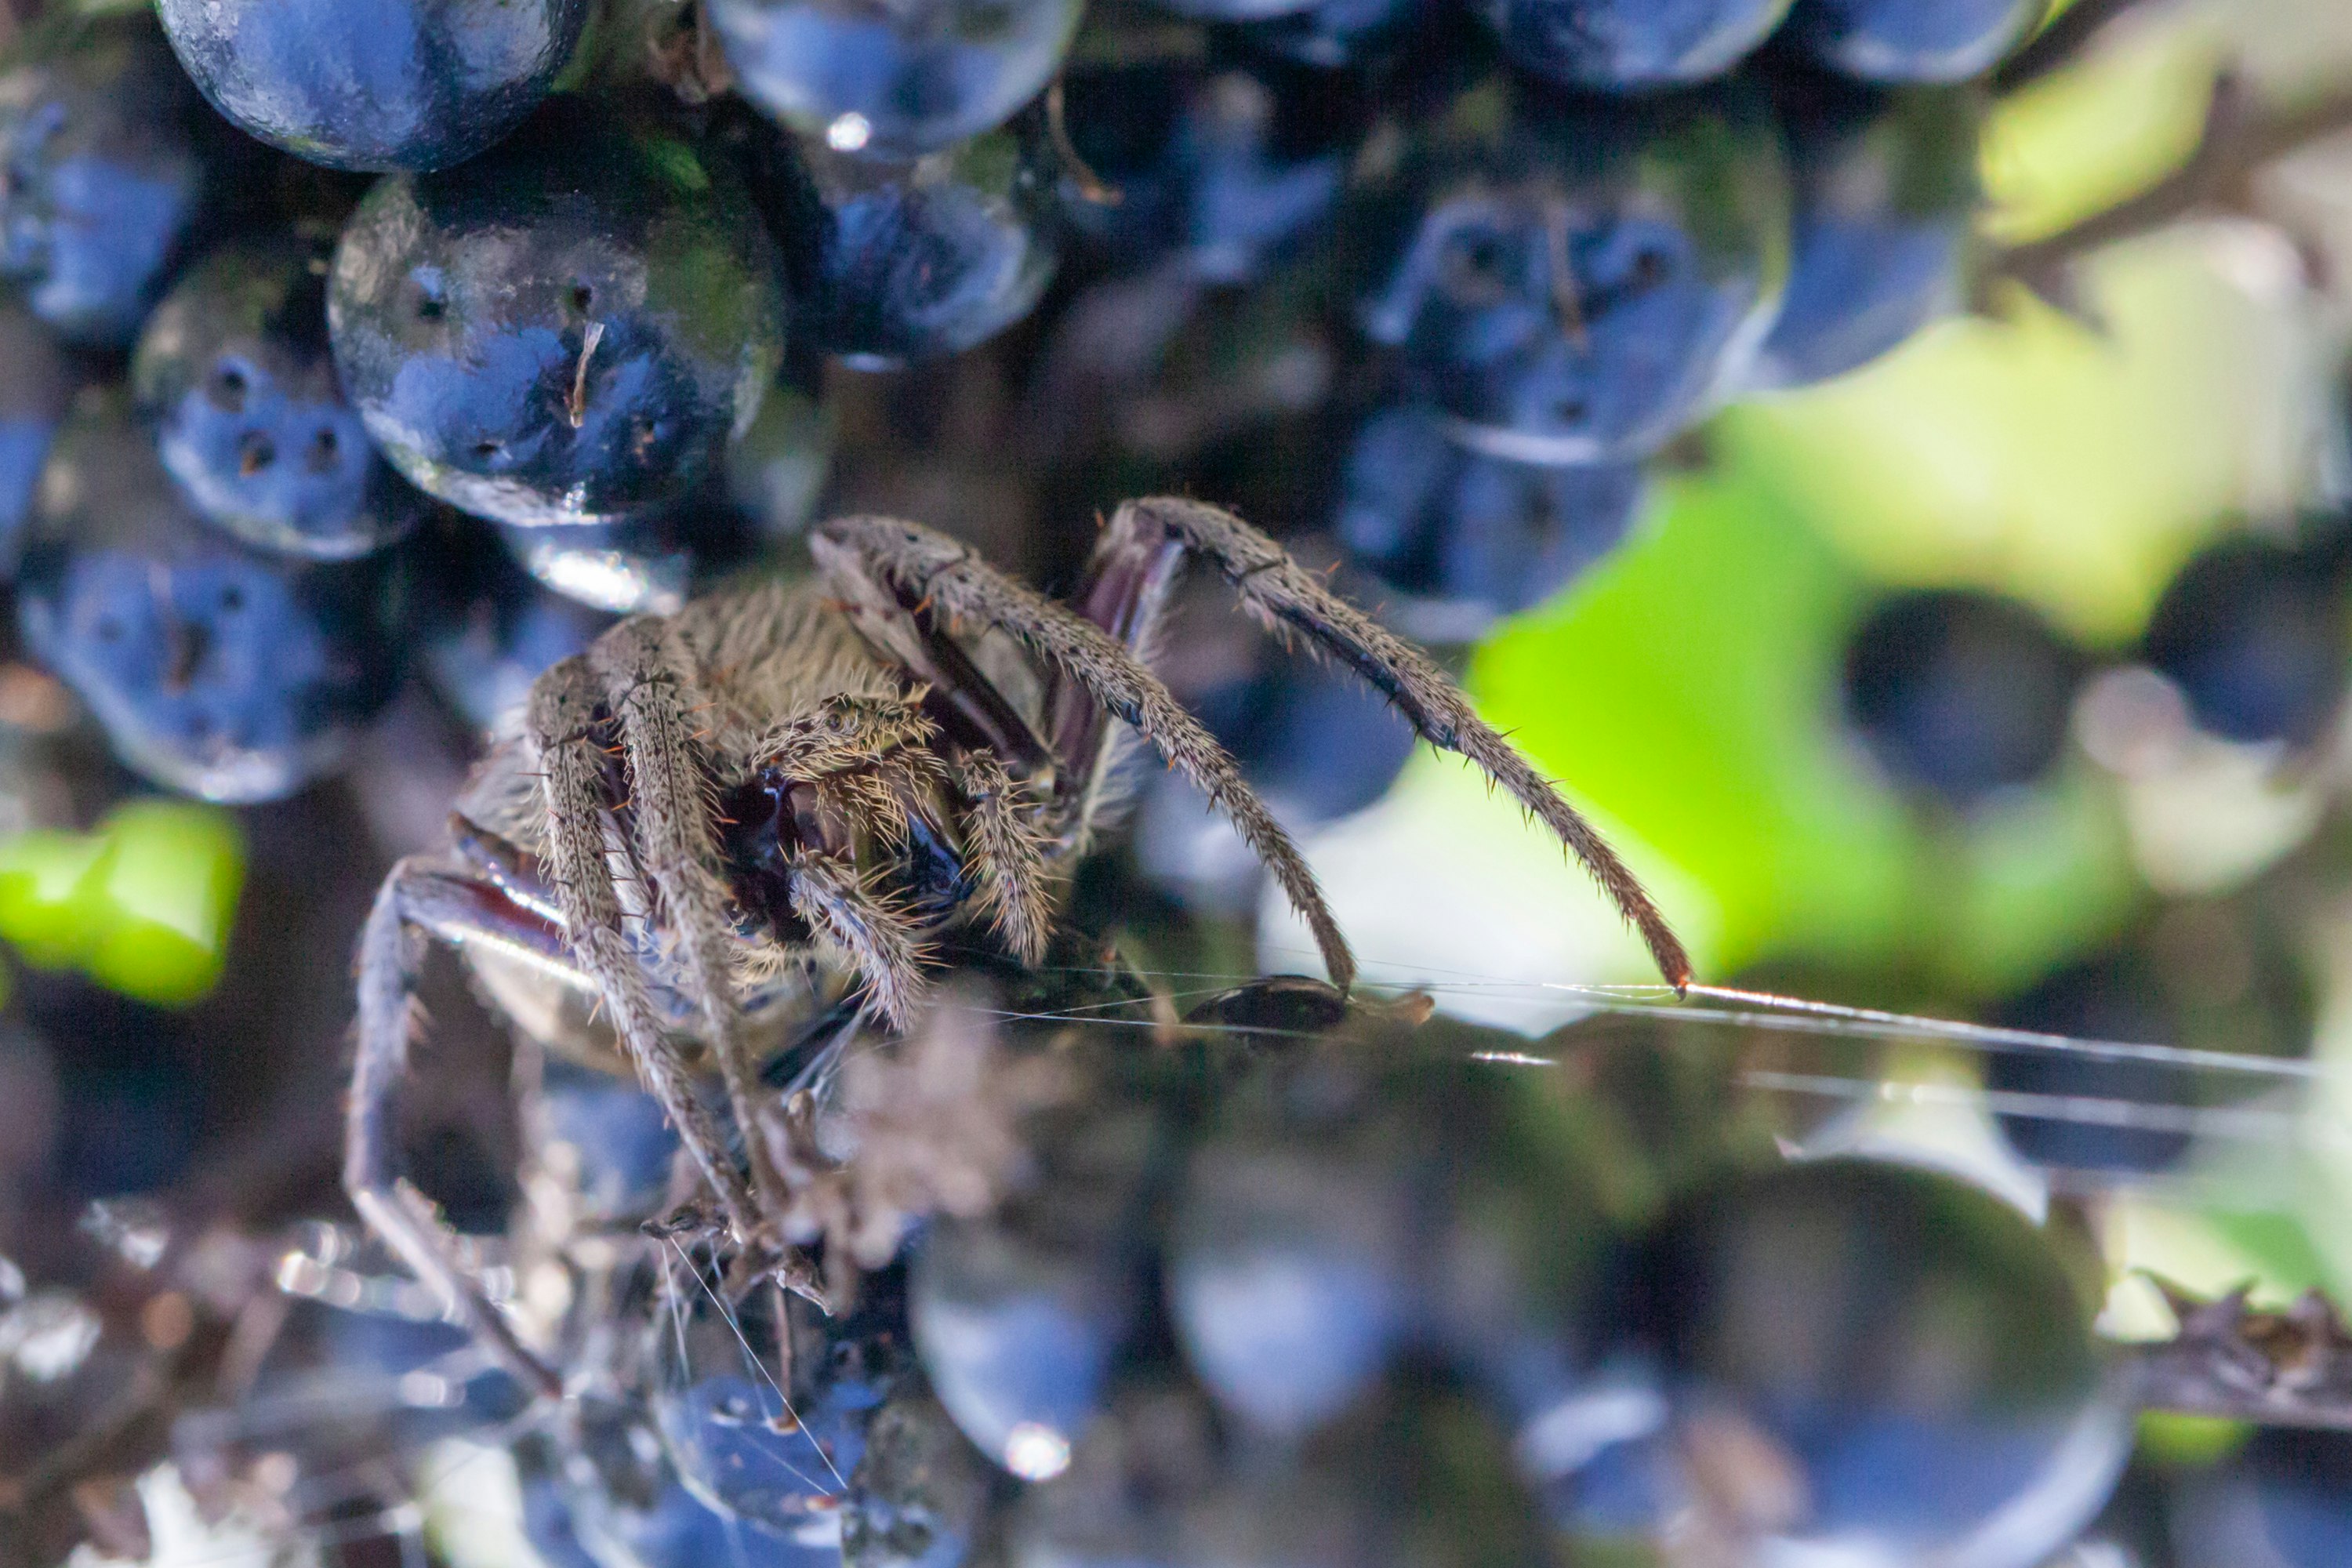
x=143, y=903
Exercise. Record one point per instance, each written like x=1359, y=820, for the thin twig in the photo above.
x=2238, y=141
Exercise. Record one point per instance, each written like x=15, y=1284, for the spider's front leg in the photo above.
x=564, y=705
x=925, y=574
x=418, y=897
x=1146, y=539
x=647, y=673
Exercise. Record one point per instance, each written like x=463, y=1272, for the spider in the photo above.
x=716, y=824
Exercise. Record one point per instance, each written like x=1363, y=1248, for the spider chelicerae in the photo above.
x=718, y=823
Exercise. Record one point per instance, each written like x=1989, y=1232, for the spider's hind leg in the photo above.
x=416, y=898
x=1288, y=598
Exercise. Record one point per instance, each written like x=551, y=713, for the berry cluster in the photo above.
x=1337, y=1290
x=592, y=297
x=351, y=345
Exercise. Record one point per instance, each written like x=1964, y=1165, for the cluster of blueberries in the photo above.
x=576, y=270
x=1318, y=1288
x=347, y=342
x=1961, y=694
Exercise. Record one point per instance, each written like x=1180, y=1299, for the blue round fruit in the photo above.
x=215, y=669
x=922, y=1496
x=2285, y=1500
x=1914, y=40
x=485, y=630
x=921, y=261
x=1571, y=282
x=234, y=371
x=2114, y=997
x=2257, y=634
x=1470, y=536
x=388, y=84
x=1885, y=186
x=568, y=329
x=1619, y=46
x=104, y=175
x=777, y=1460
x=1899, y=1362
x=895, y=81
x=1961, y=693
x=1224, y=166
x=1019, y=1317
x=36, y=385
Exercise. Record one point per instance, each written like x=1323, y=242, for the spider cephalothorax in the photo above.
x=717, y=822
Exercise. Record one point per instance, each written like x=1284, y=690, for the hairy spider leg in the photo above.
x=647, y=676
x=932, y=574
x=1007, y=776
x=564, y=703
x=1286, y=597
x=1006, y=846
x=881, y=941
x=1125, y=592
x=418, y=898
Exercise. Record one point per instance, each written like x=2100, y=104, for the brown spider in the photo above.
x=719, y=822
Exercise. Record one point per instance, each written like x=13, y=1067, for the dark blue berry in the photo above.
x=1573, y=283
x=389, y=84
x=1314, y=740
x=103, y=175
x=624, y=1504
x=1884, y=186
x=778, y=1464
x=922, y=1496
x=650, y=563
x=234, y=371
x=1019, y=1317
x=1228, y=165
x=2254, y=633
x=893, y=83
x=1336, y=35
x=1290, y=1276
x=1473, y=537
x=1369, y=1198
x=1630, y=45
x=922, y=260
x=1906, y=1356
x=216, y=668
x=1961, y=693
x=468, y=1390
x=609, y=1139
x=764, y=497
x=36, y=385
x=2116, y=999
x=547, y=1523
x=485, y=630
x=2285, y=1500
x=567, y=330
x=1914, y=40
x=1263, y=155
